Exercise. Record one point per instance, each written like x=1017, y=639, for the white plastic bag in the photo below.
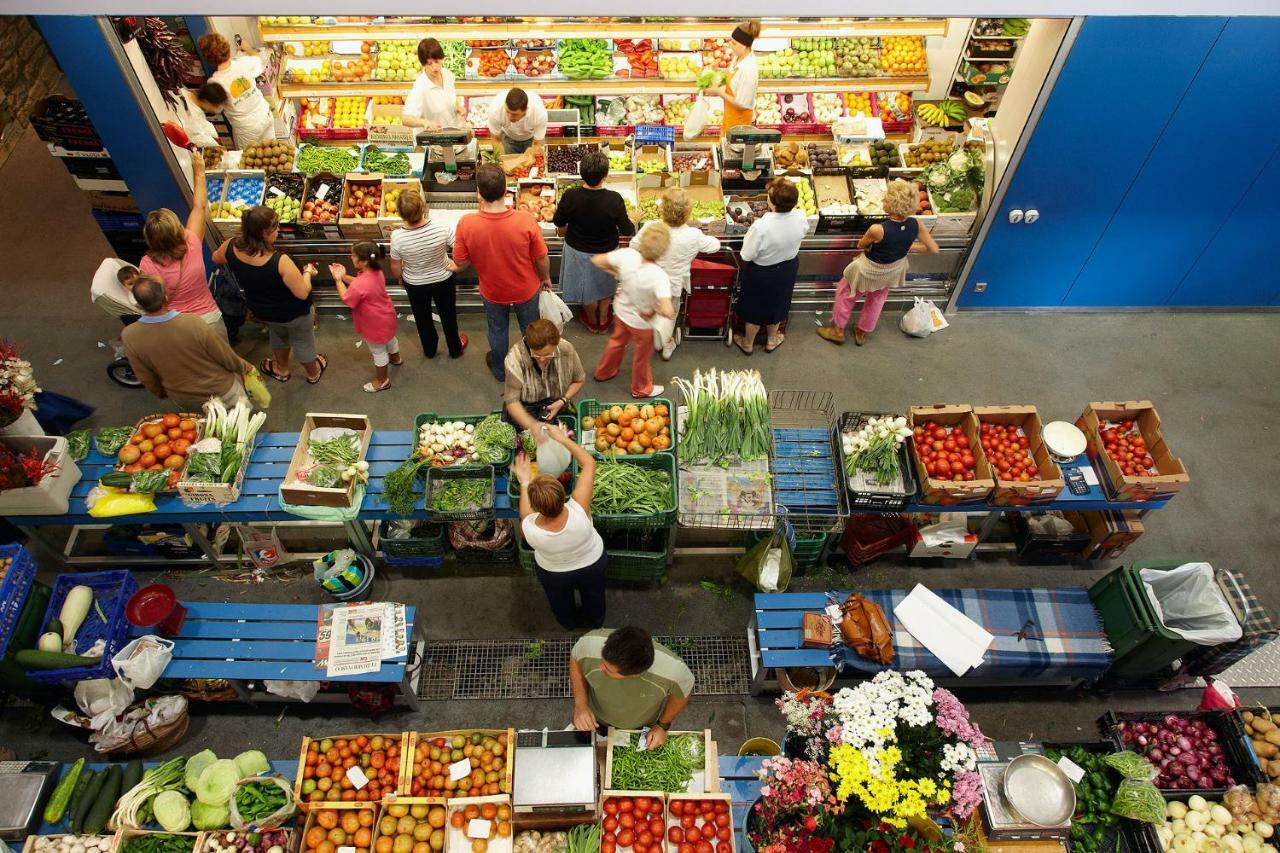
x=916, y=322
x=103, y=698
x=140, y=663
x=1188, y=602
x=551, y=307
x=950, y=529
x=664, y=329
x=303, y=690
x=696, y=120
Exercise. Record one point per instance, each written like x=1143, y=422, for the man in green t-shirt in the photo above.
x=626, y=680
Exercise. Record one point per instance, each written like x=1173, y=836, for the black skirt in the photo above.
x=764, y=293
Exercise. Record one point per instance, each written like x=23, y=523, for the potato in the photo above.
x=1262, y=724
x=1273, y=768
x=1273, y=736
x=1248, y=716
x=1265, y=749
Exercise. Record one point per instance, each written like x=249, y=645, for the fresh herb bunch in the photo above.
x=495, y=439
x=462, y=495
x=400, y=487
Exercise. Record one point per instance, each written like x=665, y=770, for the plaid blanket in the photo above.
x=1038, y=633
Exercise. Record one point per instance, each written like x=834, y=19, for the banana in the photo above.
x=954, y=110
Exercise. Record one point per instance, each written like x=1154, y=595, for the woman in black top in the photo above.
x=275, y=291
x=591, y=218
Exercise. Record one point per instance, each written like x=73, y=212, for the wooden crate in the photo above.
x=388, y=222
x=458, y=840
x=414, y=738
x=672, y=820
x=390, y=134
x=195, y=493
x=608, y=793
x=157, y=419
x=711, y=771
x=401, y=737
x=347, y=805
x=302, y=494
x=123, y=836
x=30, y=845
x=1017, y=492
x=935, y=490
x=392, y=802
x=289, y=834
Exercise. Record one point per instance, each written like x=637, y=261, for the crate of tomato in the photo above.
x=633, y=821
x=704, y=821
x=327, y=767
x=1024, y=471
x=948, y=454
x=431, y=756
x=1127, y=447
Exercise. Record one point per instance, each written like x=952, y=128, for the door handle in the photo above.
x=1015, y=216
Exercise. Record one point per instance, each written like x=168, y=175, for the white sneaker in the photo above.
x=668, y=349
x=657, y=389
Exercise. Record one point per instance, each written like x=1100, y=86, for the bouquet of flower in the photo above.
x=810, y=718
x=23, y=470
x=18, y=386
x=795, y=799
x=903, y=748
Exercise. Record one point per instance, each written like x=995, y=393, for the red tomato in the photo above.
x=642, y=804
x=943, y=468
x=686, y=848
x=723, y=833
x=722, y=808
x=610, y=823
x=677, y=807
x=627, y=820
x=693, y=834
x=655, y=848
x=940, y=433
x=626, y=805
x=723, y=847
x=655, y=827
x=674, y=835
x=644, y=839
x=949, y=445
x=722, y=817
x=608, y=845
x=968, y=461
x=611, y=806
x=969, y=475
x=688, y=820
x=704, y=847
x=626, y=838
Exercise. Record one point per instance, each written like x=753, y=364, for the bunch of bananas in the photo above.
x=943, y=114
x=1016, y=26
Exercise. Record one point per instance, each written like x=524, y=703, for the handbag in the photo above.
x=865, y=630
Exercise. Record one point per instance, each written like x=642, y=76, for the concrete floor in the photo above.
x=1206, y=372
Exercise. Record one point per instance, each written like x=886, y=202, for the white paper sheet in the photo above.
x=356, y=643
x=954, y=638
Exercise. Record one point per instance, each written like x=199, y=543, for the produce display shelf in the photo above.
x=610, y=84
x=583, y=29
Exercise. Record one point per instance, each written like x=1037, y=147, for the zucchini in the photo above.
x=61, y=795
x=86, y=776
x=86, y=799
x=105, y=803
x=132, y=776
x=116, y=480
x=36, y=659
x=55, y=627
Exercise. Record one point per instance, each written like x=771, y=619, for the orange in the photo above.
x=350, y=822
x=366, y=817
x=362, y=836
x=148, y=459
x=338, y=837
x=458, y=820
x=384, y=844
x=488, y=811
x=326, y=846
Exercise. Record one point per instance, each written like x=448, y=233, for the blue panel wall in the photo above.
x=83, y=53
x=1190, y=184
x=1085, y=153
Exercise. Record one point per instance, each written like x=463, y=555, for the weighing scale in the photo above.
x=27, y=785
x=555, y=773
x=743, y=145
x=1003, y=822
x=444, y=140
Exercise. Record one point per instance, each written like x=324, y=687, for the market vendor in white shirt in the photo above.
x=432, y=103
x=517, y=122
x=232, y=90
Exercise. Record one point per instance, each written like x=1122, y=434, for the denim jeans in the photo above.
x=498, y=321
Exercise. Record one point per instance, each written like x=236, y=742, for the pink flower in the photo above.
x=810, y=823
x=835, y=734
x=766, y=791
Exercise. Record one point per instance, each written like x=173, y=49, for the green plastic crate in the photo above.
x=428, y=417
x=636, y=566
x=661, y=461
x=525, y=555
x=437, y=476
x=1141, y=645
x=431, y=543
x=589, y=408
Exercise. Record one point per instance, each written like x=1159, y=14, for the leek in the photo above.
x=727, y=419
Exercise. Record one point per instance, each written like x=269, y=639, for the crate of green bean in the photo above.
x=686, y=764
x=299, y=492
x=460, y=494
x=635, y=491
x=146, y=841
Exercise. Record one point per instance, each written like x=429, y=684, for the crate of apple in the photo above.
x=1124, y=443
x=1008, y=450
x=328, y=763
x=407, y=827
x=632, y=823
x=481, y=824
x=364, y=200
x=945, y=451
x=699, y=823
x=485, y=751
x=319, y=210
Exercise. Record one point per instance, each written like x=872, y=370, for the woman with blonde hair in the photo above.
x=882, y=266
x=567, y=549
x=643, y=290
x=687, y=242
x=175, y=255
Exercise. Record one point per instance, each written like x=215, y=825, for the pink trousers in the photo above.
x=871, y=307
x=641, y=353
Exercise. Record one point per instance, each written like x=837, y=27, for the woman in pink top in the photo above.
x=175, y=254
x=371, y=309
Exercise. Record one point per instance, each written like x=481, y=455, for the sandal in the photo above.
x=781, y=340
x=324, y=364
x=399, y=363
x=370, y=388
x=269, y=368
x=737, y=342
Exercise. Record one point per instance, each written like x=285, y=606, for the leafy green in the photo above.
x=464, y=495
x=109, y=440
x=325, y=477
x=495, y=438
x=252, y=762
x=78, y=444
x=205, y=816
x=217, y=782
x=149, y=482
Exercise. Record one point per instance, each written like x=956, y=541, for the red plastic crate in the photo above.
x=867, y=537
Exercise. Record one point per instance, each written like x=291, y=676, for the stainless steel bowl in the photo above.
x=1039, y=791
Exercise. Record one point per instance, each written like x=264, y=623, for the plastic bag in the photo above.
x=107, y=502
x=865, y=630
x=768, y=564
x=1217, y=694
x=551, y=307
x=664, y=329
x=262, y=547
x=277, y=818
x=140, y=663
x=916, y=322
x=257, y=389
x=1188, y=602
x=103, y=696
x=303, y=691
x=1130, y=765
x=696, y=120
x=1138, y=800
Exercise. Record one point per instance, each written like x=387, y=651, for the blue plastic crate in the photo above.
x=111, y=592
x=13, y=589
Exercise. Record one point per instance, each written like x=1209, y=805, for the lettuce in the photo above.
x=205, y=816
x=172, y=811
x=217, y=782
x=252, y=762
x=196, y=765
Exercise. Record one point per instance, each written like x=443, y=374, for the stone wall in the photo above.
x=28, y=72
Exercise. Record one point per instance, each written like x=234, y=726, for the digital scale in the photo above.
x=742, y=147
x=555, y=773
x=27, y=785
x=444, y=141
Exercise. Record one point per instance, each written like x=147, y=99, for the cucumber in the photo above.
x=55, y=627
x=116, y=479
x=132, y=776
x=86, y=776
x=86, y=799
x=36, y=659
x=105, y=803
x=61, y=795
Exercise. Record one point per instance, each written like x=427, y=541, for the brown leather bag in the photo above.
x=865, y=630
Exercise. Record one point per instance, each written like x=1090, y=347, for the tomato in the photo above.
x=943, y=468
x=968, y=461
x=723, y=833
x=611, y=806
x=627, y=819
x=970, y=475
x=940, y=433
x=723, y=847
x=677, y=807
x=626, y=838
x=608, y=845
x=722, y=817
x=642, y=804
x=686, y=848
x=626, y=805
x=693, y=834
x=610, y=823
x=644, y=839
x=704, y=847
x=655, y=827
x=688, y=820
x=674, y=835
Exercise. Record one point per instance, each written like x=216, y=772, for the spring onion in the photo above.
x=873, y=448
x=728, y=417
x=132, y=808
x=227, y=437
x=625, y=489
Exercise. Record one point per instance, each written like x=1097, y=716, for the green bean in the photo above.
x=622, y=488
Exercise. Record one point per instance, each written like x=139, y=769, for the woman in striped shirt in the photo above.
x=419, y=254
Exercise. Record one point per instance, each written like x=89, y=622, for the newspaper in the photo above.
x=355, y=639
x=394, y=643
x=737, y=497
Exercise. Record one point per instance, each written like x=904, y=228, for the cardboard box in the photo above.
x=395, y=135
x=658, y=797
x=816, y=631
x=389, y=221
x=415, y=738
x=1111, y=532
x=198, y=494
x=538, y=197
x=935, y=490
x=1172, y=476
x=123, y=836
x=359, y=228
x=1016, y=492
x=711, y=771
x=707, y=151
x=707, y=189
x=732, y=227
x=801, y=179
x=322, y=186
x=658, y=155
x=674, y=820
x=303, y=494
x=951, y=224
x=948, y=550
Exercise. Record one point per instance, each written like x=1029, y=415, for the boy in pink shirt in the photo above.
x=371, y=310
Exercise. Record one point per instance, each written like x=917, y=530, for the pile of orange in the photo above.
x=356, y=69
x=333, y=829
x=324, y=770
x=631, y=430
x=498, y=815
x=903, y=55
x=901, y=99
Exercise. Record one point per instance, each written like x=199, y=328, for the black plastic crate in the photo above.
x=1256, y=711
x=437, y=476
x=1127, y=836
x=1236, y=751
x=875, y=499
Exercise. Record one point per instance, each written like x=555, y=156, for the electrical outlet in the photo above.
x=980, y=287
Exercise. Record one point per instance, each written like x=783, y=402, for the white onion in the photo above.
x=1263, y=829
x=1198, y=803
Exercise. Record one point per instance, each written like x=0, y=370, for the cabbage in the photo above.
x=252, y=762
x=172, y=811
x=218, y=782
x=196, y=765
x=205, y=816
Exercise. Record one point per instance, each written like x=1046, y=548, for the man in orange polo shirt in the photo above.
x=510, y=257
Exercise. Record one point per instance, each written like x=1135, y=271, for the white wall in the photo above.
x=1029, y=71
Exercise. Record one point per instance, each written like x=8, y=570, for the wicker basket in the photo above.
x=209, y=690
x=146, y=740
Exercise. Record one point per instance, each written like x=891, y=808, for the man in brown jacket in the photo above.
x=177, y=356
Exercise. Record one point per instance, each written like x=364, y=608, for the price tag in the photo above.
x=620, y=738
x=700, y=164
x=357, y=777
x=275, y=190
x=1074, y=771
x=548, y=192
x=460, y=769
x=322, y=191
x=533, y=173
x=479, y=828
x=346, y=850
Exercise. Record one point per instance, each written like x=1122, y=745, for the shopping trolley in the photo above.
x=707, y=307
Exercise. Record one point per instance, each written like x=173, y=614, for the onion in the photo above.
x=1183, y=743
